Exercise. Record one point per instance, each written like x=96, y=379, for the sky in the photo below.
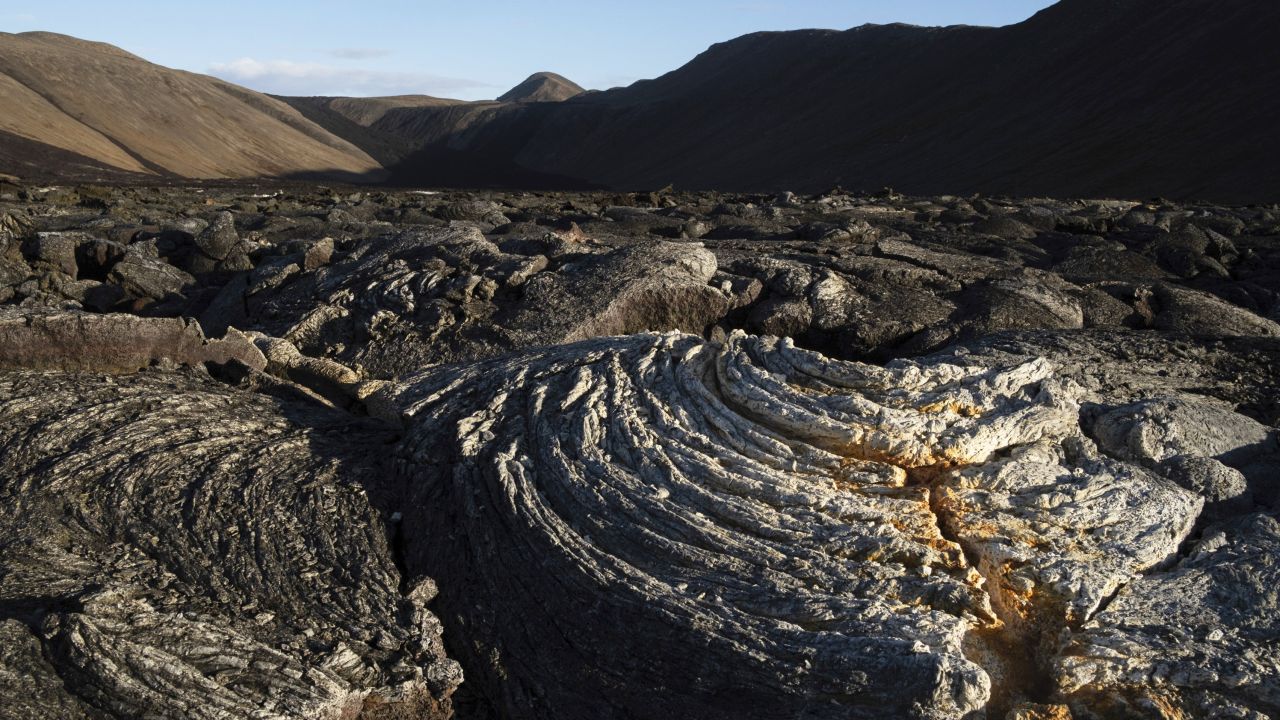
x=466, y=49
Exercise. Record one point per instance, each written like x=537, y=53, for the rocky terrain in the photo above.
x=282, y=451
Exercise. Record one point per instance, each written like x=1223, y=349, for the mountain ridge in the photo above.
x=1127, y=98
x=1101, y=98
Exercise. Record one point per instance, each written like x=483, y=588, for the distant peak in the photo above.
x=543, y=87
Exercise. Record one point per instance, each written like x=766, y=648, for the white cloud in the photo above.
x=286, y=77
x=358, y=53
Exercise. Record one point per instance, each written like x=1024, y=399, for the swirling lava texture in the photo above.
x=657, y=526
x=173, y=547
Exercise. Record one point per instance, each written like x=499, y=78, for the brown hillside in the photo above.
x=102, y=103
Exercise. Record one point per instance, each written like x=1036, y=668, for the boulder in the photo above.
x=219, y=239
x=111, y=343
x=485, y=212
x=450, y=294
x=140, y=276
x=53, y=252
x=1198, y=313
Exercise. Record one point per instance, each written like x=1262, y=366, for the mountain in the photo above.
x=358, y=121
x=1127, y=98
x=76, y=108
x=543, y=87
x=421, y=139
x=1102, y=98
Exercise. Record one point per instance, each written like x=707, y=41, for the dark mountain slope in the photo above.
x=1090, y=97
x=393, y=128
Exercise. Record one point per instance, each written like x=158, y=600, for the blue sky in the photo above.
x=464, y=49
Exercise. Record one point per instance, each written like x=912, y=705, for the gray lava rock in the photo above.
x=745, y=507
x=140, y=276
x=1197, y=313
x=317, y=254
x=1201, y=640
x=651, y=286
x=115, y=343
x=29, y=684
x=1160, y=429
x=1201, y=444
x=480, y=211
x=13, y=271
x=449, y=295
x=1224, y=488
x=255, y=582
x=219, y=239
x=782, y=316
x=636, y=525
x=1005, y=227
x=53, y=252
x=1020, y=303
